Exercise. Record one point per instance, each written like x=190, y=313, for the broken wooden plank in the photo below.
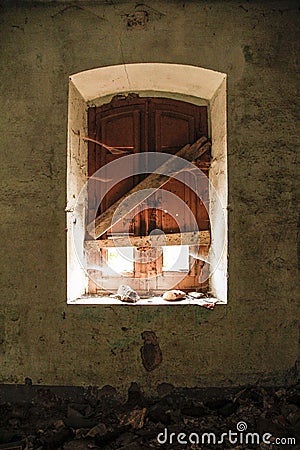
x=201, y=238
x=154, y=181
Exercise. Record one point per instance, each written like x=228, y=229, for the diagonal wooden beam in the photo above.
x=154, y=181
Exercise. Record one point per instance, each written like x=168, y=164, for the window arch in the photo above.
x=96, y=87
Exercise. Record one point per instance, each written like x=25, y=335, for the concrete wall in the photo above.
x=254, y=337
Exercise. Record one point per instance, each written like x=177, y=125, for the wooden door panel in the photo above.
x=184, y=111
x=174, y=128
x=159, y=125
x=122, y=127
x=173, y=131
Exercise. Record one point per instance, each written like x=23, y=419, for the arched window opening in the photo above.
x=147, y=109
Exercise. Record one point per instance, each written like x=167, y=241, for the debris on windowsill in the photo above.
x=175, y=294
x=196, y=294
x=104, y=300
x=202, y=300
x=126, y=294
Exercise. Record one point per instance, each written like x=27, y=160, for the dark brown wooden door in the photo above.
x=148, y=125
x=175, y=125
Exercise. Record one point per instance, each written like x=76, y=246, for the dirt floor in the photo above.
x=99, y=419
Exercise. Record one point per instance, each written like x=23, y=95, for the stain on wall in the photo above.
x=252, y=339
x=150, y=351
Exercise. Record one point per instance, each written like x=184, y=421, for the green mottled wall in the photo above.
x=254, y=337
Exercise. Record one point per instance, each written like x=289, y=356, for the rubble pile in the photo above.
x=101, y=420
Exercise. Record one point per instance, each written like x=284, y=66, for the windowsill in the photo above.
x=151, y=301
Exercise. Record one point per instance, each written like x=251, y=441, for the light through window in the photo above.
x=176, y=258
x=120, y=260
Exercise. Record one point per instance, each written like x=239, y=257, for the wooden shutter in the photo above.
x=120, y=124
x=174, y=124
x=155, y=125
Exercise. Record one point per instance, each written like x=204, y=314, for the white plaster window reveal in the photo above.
x=187, y=83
